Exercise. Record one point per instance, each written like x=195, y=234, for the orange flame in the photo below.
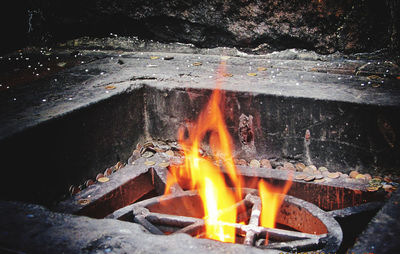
x=271, y=201
x=202, y=174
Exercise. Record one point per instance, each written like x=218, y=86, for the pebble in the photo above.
x=266, y=164
x=255, y=164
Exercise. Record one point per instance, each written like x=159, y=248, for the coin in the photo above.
x=265, y=163
x=353, y=174
x=110, y=87
x=318, y=177
x=99, y=175
x=313, y=167
x=288, y=166
x=197, y=64
x=372, y=188
x=334, y=175
x=309, y=178
x=300, y=166
x=252, y=74
x=149, y=163
x=169, y=153
x=300, y=177
x=308, y=169
x=255, y=164
x=83, y=201
x=154, y=57
x=163, y=164
x=322, y=169
x=103, y=179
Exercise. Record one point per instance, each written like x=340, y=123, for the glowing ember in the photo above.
x=204, y=175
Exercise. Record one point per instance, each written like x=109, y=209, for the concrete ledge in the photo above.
x=27, y=228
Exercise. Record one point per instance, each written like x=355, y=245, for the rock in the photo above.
x=347, y=26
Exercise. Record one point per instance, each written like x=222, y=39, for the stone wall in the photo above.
x=325, y=26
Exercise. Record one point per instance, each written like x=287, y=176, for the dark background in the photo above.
x=325, y=26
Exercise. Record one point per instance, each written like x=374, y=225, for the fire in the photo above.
x=205, y=174
x=271, y=201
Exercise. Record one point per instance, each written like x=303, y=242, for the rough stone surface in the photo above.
x=31, y=228
x=324, y=26
x=382, y=233
x=82, y=127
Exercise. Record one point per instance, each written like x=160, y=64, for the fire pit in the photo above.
x=312, y=228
